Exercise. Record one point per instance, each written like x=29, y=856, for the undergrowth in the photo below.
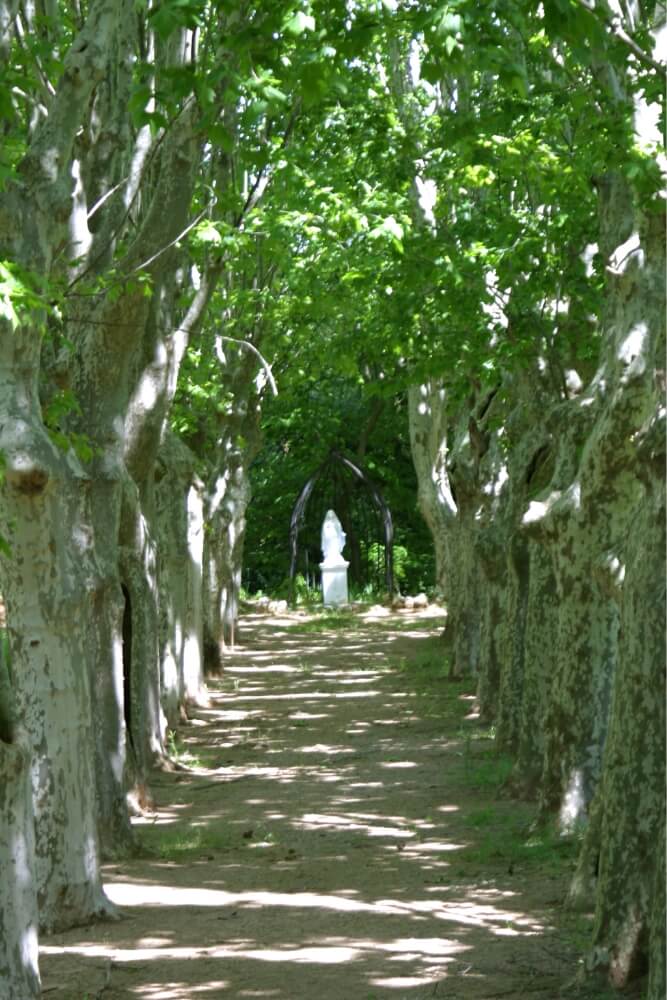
x=504, y=838
x=179, y=753
x=173, y=843
x=329, y=619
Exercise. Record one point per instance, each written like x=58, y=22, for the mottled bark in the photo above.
x=507, y=678
x=19, y=974
x=632, y=804
x=137, y=407
x=49, y=579
x=49, y=603
x=657, y=982
x=428, y=440
x=448, y=498
x=139, y=573
x=464, y=605
x=492, y=649
x=227, y=500
x=614, y=511
x=510, y=708
x=111, y=760
x=124, y=368
x=476, y=543
x=578, y=709
x=583, y=655
x=180, y=522
x=102, y=385
x=587, y=523
x=539, y=658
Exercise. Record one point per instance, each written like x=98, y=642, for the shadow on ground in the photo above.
x=339, y=835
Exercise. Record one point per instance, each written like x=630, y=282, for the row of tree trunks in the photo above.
x=571, y=598
x=226, y=502
x=80, y=579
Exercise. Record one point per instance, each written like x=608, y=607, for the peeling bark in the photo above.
x=19, y=973
x=227, y=499
x=448, y=496
x=139, y=573
x=631, y=795
x=48, y=579
x=49, y=607
x=428, y=441
x=180, y=523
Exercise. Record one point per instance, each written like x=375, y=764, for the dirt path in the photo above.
x=339, y=837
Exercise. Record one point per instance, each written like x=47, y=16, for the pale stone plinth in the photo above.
x=334, y=583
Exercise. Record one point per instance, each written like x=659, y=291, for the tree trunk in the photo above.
x=139, y=572
x=108, y=653
x=578, y=708
x=539, y=666
x=19, y=974
x=447, y=465
x=512, y=677
x=633, y=784
x=49, y=608
x=576, y=713
x=180, y=522
x=657, y=982
x=48, y=580
x=47, y=583
x=226, y=505
x=428, y=441
x=513, y=673
x=111, y=732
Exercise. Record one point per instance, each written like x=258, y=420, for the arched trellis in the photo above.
x=335, y=460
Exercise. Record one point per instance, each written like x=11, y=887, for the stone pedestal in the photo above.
x=334, y=583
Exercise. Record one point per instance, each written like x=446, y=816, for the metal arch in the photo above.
x=299, y=508
x=297, y=517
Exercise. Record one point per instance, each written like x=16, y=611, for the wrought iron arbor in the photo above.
x=343, y=485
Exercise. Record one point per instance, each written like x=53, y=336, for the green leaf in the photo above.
x=299, y=23
x=450, y=44
x=206, y=233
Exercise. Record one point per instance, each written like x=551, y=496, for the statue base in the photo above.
x=334, y=584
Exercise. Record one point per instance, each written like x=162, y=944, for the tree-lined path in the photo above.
x=237, y=238
x=339, y=834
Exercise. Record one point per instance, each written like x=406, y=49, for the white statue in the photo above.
x=333, y=539
x=334, y=567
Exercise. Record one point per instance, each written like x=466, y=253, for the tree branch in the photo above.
x=49, y=156
x=251, y=347
x=621, y=35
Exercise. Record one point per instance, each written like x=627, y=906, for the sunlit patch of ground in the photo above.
x=338, y=835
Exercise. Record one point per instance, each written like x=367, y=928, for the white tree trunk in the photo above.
x=226, y=503
x=48, y=605
x=428, y=441
x=226, y=508
x=48, y=578
x=19, y=974
x=139, y=572
x=47, y=584
x=450, y=498
x=180, y=521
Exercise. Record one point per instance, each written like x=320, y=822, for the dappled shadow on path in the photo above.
x=333, y=839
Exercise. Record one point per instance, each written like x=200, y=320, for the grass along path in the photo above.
x=339, y=835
